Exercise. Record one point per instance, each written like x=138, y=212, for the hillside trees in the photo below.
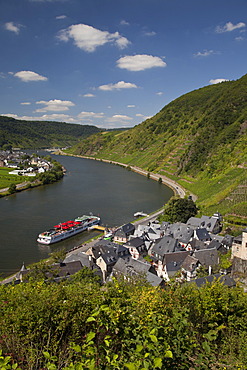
x=178, y=210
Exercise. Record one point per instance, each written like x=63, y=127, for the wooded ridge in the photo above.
x=198, y=140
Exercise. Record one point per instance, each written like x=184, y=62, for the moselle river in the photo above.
x=107, y=190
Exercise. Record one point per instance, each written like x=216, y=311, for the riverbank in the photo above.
x=177, y=188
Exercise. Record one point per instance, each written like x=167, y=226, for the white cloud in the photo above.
x=88, y=95
x=28, y=76
x=117, y=86
x=140, y=62
x=240, y=38
x=131, y=106
x=152, y=33
x=89, y=38
x=218, y=80
x=90, y=115
x=159, y=93
x=55, y=105
x=142, y=116
x=11, y=26
x=61, y=17
x=229, y=26
x=25, y=103
x=119, y=117
x=204, y=53
x=124, y=23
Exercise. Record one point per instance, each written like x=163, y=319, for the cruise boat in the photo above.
x=67, y=229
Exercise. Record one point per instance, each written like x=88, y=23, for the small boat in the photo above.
x=67, y=229
x=140, y=214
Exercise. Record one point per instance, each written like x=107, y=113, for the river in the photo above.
x=104, y=189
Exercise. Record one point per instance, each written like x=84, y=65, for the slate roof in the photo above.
x=224, y=279
x=173, y=261
x=207, y=257
x=135, y=243
x=164, y=245
x=214, y=244
x=66, y=269
x=128, y=228
x=79, y=256
x=109, y=251
x=207, y=222
x=198, y=244
x=180, y=231
x=130, y=266
x=189, y=263
x=202, y=234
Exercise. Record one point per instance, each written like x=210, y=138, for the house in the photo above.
x=202, y=235
x=180, y=231
x=224, y=279
x=239, y=253
x=189, y=267
x=137, y=247
x=105, y=254
x=65, y=269
x=122, y=234
x=165, y=256
x=130, y=267
x=207, y=258
x=173, y=263
x=86, y=261
x=164, y=245
x=239, y=246
x=211, y=224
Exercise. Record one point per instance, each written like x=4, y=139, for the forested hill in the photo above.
x=201, y=135
x=41, y=134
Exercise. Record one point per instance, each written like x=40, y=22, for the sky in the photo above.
x=114, y=63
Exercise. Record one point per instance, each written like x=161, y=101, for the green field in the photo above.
x=6, y=179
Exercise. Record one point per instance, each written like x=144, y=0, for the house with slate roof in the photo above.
x=173, y=263
x=158, y=252
x=105, y=254
x=202, y=235
x=137, y=247
x=130, y=267
x=122, y=234
x=189, y=267
x=180, y=231
x=224, y=279
x=207, y=258
x=211, y=224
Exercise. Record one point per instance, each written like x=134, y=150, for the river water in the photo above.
x=104, y=189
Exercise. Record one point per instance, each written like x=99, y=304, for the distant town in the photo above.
x=23, y=164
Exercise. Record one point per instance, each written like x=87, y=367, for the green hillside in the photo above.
x=39, y=134
x=199, y=140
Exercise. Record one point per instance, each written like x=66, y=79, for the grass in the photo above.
x=6, y=179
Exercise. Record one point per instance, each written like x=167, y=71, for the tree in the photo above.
x=12, y=188
x=178, y=210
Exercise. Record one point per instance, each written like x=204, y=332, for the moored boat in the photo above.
x=67, y=229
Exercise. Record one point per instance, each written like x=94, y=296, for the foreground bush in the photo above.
x=79, y=324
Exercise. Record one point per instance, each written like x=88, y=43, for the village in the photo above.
x=159, y=252
x=23, y=164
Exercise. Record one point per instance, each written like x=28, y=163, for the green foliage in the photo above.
x=36, y=134
x=198, y=140
x=12, y=188
x=178, y=210
x=76, y=324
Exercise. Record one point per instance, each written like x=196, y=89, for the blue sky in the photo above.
x=114, y=63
